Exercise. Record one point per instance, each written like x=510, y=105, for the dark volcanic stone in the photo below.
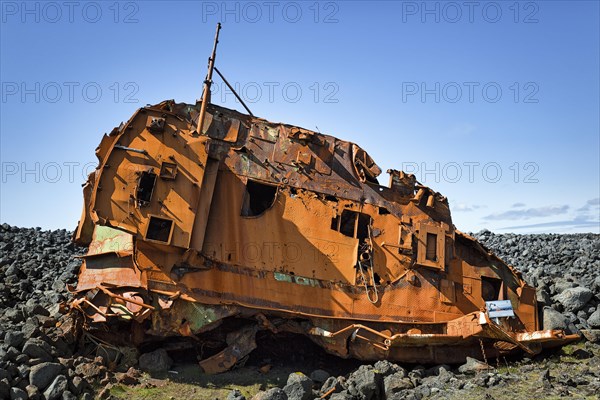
x=396, y=383
x=298, y=387
x=319, y=376
x=56, y=388
x=473, y=366
x=594, y=319
x=552, y=319
x=156, y=361
x=13, y=338
x=574, y=299
x=4, y=388
x=271, y=394
x=387, y=368
x=17, y=393
x=37, y=348
x=43, y=374
x=90, y=370
x=364, y=383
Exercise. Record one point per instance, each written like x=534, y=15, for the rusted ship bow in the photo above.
x=245, y=225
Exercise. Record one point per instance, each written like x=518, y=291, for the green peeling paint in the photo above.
x=108, y=240
x=299, y=280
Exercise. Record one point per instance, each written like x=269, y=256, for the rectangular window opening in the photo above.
x=145, y=187
x=491, y=288
x=159, y=229
x=347, y=222
x=258, y=198
x=362, y=230
x=431, y=249
x=352, y=224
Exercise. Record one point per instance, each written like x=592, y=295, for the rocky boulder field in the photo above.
x=40, y=359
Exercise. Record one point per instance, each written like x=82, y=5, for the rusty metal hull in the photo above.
x=256, y=221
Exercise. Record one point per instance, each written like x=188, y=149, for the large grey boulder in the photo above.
x=56, y=389
x=396, y=383
x=592, y=335
x=594, y=319
x=574, y=299
x=298, y=387
x=156, y=361
x=319, y=376
x=37, y=348
x=364, y=383
x=473, y=366
x=552, y=319
x=387, y=368
x=41, y=375
x=13, y=338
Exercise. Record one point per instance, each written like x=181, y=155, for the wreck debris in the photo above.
x=200, y=217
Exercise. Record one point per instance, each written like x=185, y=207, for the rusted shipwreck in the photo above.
x=245, y=225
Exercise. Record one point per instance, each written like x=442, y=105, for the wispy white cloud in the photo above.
x=527, y=213
x=559, y=224
x=590, y=211
x=518, y=205
x=463, y=207
x=590, y=204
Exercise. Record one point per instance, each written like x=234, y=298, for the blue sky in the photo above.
x=493, y=104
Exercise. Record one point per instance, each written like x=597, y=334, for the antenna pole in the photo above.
x=208, y=82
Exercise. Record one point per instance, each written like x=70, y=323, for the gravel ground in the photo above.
x=38, y=361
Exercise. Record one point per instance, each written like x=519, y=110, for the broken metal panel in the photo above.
x=126, y=196
x=85, y=228
x=108, y=269
x=240, y=344
x=186, y=318
x=109, y=240
x=283, y=235
x=527, y=308
x=109, y=261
